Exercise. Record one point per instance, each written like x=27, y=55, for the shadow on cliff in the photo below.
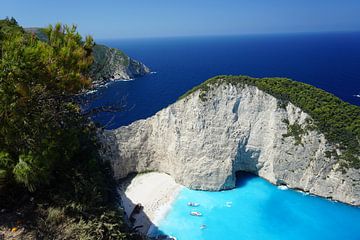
x=246, y=164
x=135, y=215
x=242, y=178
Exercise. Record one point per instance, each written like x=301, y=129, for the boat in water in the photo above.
x=193, y=204
x=197, y=214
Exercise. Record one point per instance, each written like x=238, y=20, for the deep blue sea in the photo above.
x=330, y=61
x=258, y=210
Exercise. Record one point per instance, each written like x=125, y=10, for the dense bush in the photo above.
x=338, y=120
x=41, y=124
x=48, y=149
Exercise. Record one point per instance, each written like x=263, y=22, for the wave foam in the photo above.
x=283, y=187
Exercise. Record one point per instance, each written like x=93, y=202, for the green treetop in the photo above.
x=39, y=120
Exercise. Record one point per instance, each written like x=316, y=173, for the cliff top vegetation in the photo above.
x=339, y=121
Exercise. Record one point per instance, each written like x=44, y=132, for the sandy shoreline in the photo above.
x=154, y=191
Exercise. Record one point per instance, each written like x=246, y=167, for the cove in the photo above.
x=256, y=209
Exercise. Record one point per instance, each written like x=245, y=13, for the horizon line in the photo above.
x=229, y=35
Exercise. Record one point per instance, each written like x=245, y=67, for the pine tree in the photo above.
x=40, y=122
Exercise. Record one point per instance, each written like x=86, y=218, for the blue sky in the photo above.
x=159, y=18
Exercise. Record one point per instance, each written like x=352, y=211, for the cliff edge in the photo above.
x=234, y=124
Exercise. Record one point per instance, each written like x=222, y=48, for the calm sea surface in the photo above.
x=255, y=209
x=328, y=61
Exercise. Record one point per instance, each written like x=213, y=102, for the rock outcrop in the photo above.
x=203, y=142
x=111, y=63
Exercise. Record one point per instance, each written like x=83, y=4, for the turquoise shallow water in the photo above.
x=257, y=209
x=330, y=61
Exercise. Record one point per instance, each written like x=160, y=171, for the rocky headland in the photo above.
x=109, y=63
x=232, y=124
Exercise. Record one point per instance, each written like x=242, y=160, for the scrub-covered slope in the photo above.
x=109, y=63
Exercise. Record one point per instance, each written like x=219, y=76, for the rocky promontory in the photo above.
x=109, y=63
x=236, y=124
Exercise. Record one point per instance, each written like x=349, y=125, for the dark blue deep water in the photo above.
x=255, y=209
x=330, y=61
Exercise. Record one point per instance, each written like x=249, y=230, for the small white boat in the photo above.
x=228, y=204
x=203, y=226
x=197, y=214
x=193, y=204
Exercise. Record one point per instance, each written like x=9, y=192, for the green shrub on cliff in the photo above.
x=338, y=120
x=50, y=170
x=41, y=124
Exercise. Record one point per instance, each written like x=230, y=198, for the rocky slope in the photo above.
x=109, y=63
x=203, y=139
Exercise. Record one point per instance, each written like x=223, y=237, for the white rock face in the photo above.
x=202, y=144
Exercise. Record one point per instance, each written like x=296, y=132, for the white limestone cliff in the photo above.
x=203, y=143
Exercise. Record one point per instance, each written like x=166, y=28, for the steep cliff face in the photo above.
x=111, y=63
x=203, y=140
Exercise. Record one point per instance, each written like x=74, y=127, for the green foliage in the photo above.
x=338, y=120
x=7, y=27
x=55, y=216
x=5, y=160
x=40, y=123
x=204, y=87
x=295, y=130
x=105, y=60
x=81, y=204
x=38, y=32
x=26, y=172
x=108, y=226
x=48, y=150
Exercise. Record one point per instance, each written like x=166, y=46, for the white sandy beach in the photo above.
x=154, y=191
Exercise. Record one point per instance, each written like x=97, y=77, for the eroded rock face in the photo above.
x=203, y=143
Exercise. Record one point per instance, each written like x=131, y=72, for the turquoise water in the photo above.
x=257, y=209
